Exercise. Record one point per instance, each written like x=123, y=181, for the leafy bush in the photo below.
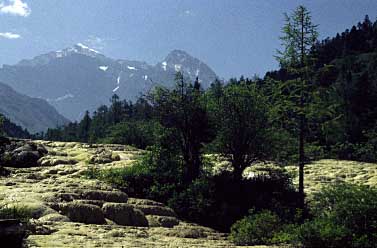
x=255, y=229
x=322, y=233
x=365, y=152
x=345, y=215
x=351, y=206
x=196, y=201
x=156, y=175
x=286, y=235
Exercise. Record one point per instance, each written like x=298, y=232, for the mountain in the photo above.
x=34, y=114
x=79, y=78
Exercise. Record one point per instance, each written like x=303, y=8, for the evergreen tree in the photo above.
x=115, y=109
x=84, y=127
x=299, y=36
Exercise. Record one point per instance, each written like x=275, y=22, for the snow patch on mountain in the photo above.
x=59, y=54
x=86, y=48
x=61, y=98
x=116, y=88
x=177, y=68
x=164, y=65
x=103, y=68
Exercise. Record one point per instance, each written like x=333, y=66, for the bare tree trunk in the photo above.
x=301, y=162
x=301, y=152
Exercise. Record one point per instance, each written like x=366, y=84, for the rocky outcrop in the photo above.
x=156, y=210
x=162, y=221
x=103, y=156
x=107, y=196
x=80, y=212
x=124, y=214
x=21, y=154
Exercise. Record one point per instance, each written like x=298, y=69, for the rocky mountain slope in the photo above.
x=79, y=78
x=34, y=114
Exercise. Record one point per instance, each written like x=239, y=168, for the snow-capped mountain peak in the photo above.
x=78, y=77
x=78, y=48
x=85, y=50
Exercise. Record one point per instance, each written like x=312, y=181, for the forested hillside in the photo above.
x=10, y=129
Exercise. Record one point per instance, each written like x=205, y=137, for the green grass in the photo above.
x=17, y=211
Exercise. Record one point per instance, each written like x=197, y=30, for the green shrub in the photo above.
x=256, y=229
x=155, y=175
x=134, y=179
x=287, y=235
x=354, y=206
x=195, y=201
x=322, y=233
x=365, y=152
x=345, y=215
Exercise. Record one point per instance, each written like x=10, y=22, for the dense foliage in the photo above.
x=344, y=215
x=255, y=229
x=346, y=212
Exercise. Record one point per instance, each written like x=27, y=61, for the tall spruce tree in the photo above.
x=299, y=37
x=84, y=127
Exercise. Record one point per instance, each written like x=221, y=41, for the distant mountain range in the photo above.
x=32, y=113
x=79, y=78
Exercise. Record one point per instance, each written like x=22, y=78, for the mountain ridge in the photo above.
x=34, y=114
x=79, y=78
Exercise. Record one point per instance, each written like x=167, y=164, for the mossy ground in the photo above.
x=34, y=187
x=329, y=171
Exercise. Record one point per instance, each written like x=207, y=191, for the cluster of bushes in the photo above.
x=365, y=151
x=343, y=216
x=211, y=200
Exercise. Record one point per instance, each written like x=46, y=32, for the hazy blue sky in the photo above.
x=234, y=37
